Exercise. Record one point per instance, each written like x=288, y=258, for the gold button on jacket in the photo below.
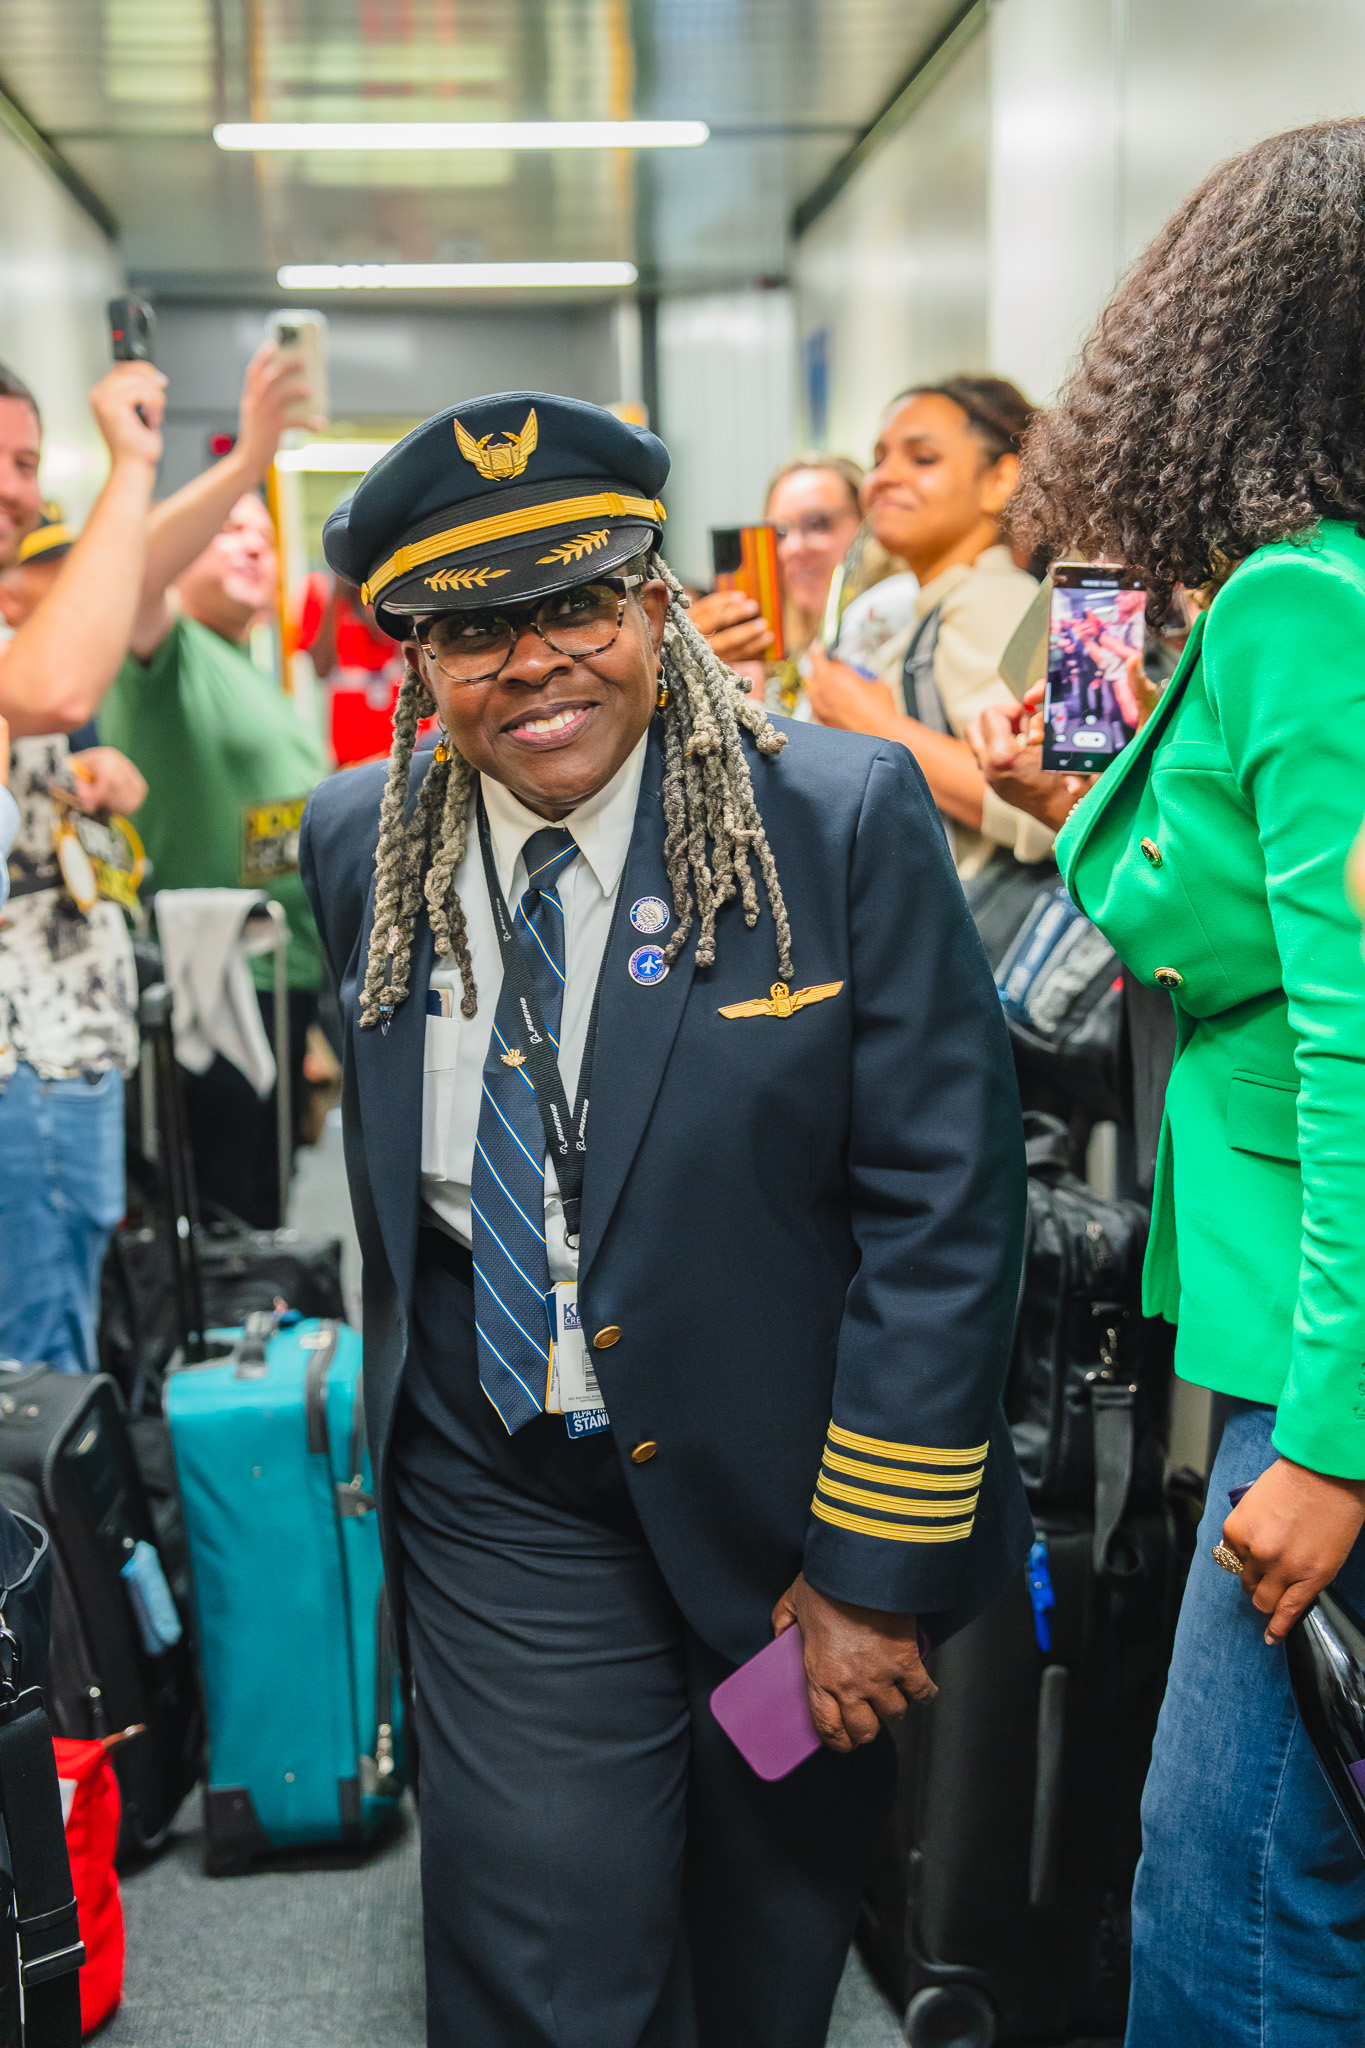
x=1169, y=977
x=642, y=1453
x=606, y=1337
x=1151, y=852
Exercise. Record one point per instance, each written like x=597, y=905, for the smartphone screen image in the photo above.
x=1094, y=659
x=745, y=558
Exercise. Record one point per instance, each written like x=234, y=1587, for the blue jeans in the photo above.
x=61, y=1193
x=1249, y=1906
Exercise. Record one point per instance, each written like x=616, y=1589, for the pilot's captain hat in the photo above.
x=496, y=501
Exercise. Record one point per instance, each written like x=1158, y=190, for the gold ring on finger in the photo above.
x=1229, y=1559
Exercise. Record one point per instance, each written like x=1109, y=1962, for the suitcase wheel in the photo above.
x=950, y=2016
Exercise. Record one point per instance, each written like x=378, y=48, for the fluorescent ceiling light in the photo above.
x=460, y=134
x=345, y=277
x=353, y=457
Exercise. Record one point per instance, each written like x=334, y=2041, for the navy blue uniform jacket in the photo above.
x=808, y=1229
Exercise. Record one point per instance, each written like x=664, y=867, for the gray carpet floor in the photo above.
x=311, y=1958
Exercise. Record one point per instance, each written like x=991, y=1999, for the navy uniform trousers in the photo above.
x=600, y=1868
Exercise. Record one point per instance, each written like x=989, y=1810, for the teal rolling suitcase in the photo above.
x=300, y=1681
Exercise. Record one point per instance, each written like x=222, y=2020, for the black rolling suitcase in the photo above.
x=40, y=1944
x=120, y=1656
x=172, y=1274
x=998, y=1908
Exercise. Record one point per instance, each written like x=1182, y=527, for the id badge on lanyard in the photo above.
x=573, y=1391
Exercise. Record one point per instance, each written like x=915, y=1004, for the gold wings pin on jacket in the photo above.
x=508, y=459
x=781, y=1002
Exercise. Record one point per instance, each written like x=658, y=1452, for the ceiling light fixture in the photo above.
x=345, y=277
x=460, y=134
x=350, y=457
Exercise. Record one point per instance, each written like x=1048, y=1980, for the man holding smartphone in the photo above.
x=67, y=983
x=218, y=740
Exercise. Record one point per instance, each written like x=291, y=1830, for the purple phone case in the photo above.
x=762, y=1708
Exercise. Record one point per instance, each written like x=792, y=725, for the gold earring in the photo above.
x=443, y=746
x=662, y=701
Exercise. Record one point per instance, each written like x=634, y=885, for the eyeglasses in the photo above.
x=815, y=525
x=473, y=647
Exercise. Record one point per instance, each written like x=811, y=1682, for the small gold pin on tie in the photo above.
x=781, y=1001
x=515, y=1058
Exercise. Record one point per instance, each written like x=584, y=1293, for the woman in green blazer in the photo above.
x=1214, y=436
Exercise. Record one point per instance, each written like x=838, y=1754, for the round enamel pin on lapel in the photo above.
x=650, y=914
x=647, y=965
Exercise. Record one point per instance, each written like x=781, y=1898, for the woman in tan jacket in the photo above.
x=945, y=466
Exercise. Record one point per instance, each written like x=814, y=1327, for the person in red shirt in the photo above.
x=363, y=666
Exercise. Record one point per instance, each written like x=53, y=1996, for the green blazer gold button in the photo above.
x=605, y=1338
x=1169, y=977
x=642, y=1453
x=1152, y=852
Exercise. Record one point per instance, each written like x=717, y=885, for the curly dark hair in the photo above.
x=1220, y=401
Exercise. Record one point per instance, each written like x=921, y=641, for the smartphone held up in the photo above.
x=300, y=336
x=1094, y=666
x=744, y=558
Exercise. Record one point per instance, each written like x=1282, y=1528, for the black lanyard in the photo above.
x=565, y=1129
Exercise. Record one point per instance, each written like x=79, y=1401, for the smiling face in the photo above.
x=20, y=452
x=234, y=580
x=821, y=516
x=932, y=495
x=552, y=729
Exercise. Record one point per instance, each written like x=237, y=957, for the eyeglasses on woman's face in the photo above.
x=475, y=646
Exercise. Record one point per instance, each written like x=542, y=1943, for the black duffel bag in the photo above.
x=1088, y=1384
x=241, y=1270
x=1061, y=985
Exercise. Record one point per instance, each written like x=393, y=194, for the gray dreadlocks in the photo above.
x=708, y=797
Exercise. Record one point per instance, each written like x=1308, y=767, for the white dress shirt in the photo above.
x=456, y=1046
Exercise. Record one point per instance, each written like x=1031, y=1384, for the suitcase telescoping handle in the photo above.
x=273, y=913
x=154, y=1009
x=249, y=1352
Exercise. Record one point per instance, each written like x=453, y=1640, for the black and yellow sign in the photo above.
x=270, y=840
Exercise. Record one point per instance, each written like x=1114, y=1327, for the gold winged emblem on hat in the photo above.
x=508, y=459
x=782, y=1001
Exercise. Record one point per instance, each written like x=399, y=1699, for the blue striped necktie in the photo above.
x=512, y=1292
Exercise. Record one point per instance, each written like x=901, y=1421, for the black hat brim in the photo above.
x=542, y=538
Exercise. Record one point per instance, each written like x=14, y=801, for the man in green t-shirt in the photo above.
x=227, y=759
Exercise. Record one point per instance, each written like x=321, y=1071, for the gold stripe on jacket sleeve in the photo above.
x=941, y=1509
x=931, y=1482
x=894, y=1532
x=904, y=1454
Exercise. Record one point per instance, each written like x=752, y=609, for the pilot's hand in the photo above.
x=863, y=1666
